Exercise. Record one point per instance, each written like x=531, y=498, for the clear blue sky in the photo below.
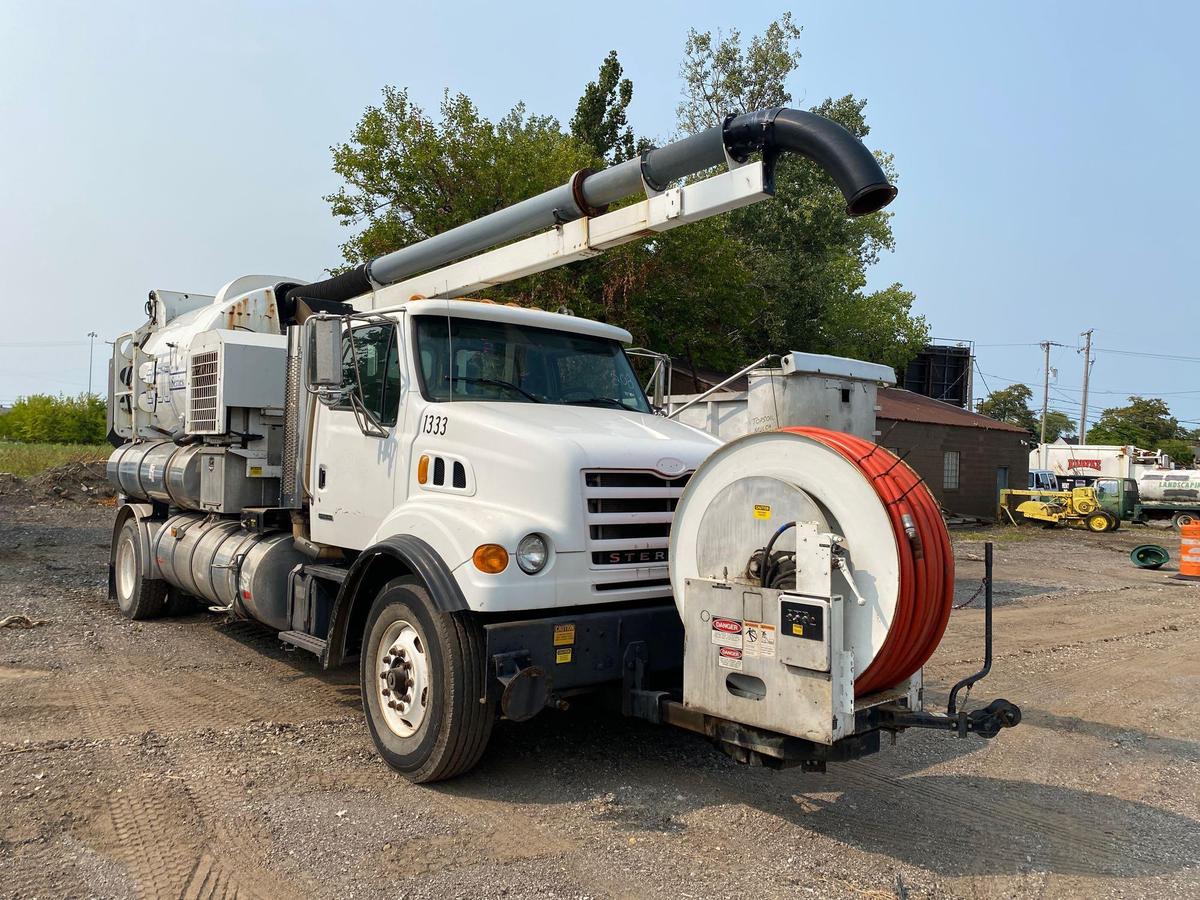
x=1046, y=154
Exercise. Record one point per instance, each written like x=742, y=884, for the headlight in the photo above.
x=532, y=554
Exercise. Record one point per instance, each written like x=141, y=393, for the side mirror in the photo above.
x=324, y=352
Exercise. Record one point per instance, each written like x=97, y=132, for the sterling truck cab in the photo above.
x=508, y=428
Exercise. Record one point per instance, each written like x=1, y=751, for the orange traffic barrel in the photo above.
x=1189, y=550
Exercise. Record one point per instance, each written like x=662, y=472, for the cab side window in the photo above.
x=371, y=366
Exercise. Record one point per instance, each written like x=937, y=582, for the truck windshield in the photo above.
x=475, y=359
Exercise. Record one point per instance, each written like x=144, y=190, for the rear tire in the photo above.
x=138, y=597
x=424, y=684
x=1100, y=522
x=1182, y=518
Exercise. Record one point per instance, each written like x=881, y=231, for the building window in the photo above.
x=950, y=470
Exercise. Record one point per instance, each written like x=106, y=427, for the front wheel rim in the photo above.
x=403, y=682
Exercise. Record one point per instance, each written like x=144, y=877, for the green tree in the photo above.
x=1058, y=424
x=408, y=177
x=1180, y=450
x=600, y=120
x=1145, y=422
x=1010, y=404
x=43, y=419
x=721, y=77
x=788, y=276
x=807, y=259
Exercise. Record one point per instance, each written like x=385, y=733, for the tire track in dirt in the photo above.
x=151, y=837
x=142, y=703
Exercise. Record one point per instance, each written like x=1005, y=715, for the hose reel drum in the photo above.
x=841, y=612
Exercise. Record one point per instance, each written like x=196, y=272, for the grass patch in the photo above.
x=24, y=460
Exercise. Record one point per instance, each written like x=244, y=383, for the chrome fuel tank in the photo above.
x=157, y=470
x=215, y=559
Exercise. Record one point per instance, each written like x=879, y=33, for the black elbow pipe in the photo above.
x=843, y=156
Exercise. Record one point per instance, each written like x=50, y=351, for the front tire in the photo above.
x=424, y=684
x=138, y=597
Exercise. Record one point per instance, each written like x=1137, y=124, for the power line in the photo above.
x=1148, y=355
x=1124, y=393
x=1143, y=353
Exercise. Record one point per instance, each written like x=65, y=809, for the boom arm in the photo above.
x=587, y=195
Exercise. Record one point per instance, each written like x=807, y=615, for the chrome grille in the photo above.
x=629, y=517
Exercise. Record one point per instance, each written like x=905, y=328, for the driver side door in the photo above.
x=354, y=475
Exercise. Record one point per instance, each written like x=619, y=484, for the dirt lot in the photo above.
x=196, y=758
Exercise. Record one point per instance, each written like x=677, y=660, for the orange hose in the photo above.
x=926, y=575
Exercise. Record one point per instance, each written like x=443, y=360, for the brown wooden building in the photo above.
x=965, y=458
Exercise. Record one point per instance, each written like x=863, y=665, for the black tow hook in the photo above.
x=986, y=722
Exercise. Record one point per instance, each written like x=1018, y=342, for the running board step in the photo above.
x=303, y=641
x=336, y=574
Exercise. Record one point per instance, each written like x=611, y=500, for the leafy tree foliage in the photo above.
x=1058, y=424
x=1179, y=450
x=788, y=275
x=806, y=259
x=43, y=419
x=408, y=177
x=600, y=122
x=723, y=78
x=1011, y=404
x=1145, y=422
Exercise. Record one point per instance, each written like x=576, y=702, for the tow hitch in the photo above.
x=986, y=722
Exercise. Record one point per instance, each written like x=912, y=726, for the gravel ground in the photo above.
x=195, y=757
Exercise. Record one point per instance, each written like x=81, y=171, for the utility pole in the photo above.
x=91, y=345
x=1087, y=369
x=1045, y=404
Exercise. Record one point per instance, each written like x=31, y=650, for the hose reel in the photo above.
x=887, y=560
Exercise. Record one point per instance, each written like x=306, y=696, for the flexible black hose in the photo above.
x=764, y=580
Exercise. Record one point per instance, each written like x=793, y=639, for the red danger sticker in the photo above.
x=729, y=626
x=730, y=658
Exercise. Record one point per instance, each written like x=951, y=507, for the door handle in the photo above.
x=321, y=478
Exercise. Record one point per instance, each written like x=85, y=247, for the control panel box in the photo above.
x=767, y=658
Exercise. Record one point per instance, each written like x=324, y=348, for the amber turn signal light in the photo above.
x=490, y=558
x=423, y=470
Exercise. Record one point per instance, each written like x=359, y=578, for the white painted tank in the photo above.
x=1170, y=485
x=244, y=304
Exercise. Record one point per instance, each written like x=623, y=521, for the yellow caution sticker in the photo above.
x=563, y=655
x=762, y=511
x=256, y=471
x=797, y=630
x=564, y=635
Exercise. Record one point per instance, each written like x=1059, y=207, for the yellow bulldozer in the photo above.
x=1076, y=508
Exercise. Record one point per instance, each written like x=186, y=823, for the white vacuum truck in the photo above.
x=479, y=505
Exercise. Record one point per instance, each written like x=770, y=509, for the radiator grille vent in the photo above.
x=629, y=517
x=202, y=394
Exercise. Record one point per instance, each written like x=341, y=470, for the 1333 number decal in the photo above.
x=434, y=424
